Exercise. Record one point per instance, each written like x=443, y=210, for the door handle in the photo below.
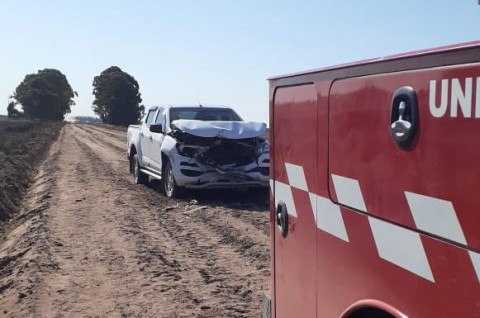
x=141, y=133
x=404, y=117
x=282, y=218
x=150, y=137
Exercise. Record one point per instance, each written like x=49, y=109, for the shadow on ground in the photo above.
x=255, y=200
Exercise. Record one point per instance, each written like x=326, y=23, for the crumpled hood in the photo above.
x=221, y=129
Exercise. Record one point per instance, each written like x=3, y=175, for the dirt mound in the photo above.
x=22, y=146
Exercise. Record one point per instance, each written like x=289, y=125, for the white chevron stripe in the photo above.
x=401, y=247
x=475, y=257
x=348, y=192
x=283, y=192
x=395, y=244
x=435, y=216
x=328, y=216
x=296, y=176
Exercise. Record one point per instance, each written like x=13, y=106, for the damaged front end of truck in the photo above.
x=220, y=154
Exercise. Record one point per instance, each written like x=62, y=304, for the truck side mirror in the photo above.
x=156, y=128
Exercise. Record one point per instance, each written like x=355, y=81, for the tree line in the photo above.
x=47, y=95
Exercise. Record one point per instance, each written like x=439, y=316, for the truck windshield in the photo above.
x=204, y=113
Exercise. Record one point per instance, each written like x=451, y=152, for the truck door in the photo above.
x=294, y=175
x=403, y=166
x=146, y=138
x=157, y=139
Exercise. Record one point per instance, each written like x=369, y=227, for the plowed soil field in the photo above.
x=87, y=242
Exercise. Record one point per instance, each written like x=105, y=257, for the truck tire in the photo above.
x=170, y=187
x=138, y=176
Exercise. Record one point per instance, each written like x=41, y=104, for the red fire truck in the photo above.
x=375, y=176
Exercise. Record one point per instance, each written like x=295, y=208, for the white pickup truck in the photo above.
x=198, y=147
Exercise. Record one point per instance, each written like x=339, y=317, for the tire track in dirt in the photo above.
x=106, y=130
x=155, y=261
x=104, y=247
x=98, y=272
x=106, y=133
x=249, y=213
x=99, y=137
x=237, y=234
x=211, y=272
x=225, y=274
x=111, y=154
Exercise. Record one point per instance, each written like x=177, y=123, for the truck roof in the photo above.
x=196, y=106
x=425, y=52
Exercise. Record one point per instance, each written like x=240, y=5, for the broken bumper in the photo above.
x=190, y=173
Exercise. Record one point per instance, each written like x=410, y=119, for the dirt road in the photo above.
x=90, y=243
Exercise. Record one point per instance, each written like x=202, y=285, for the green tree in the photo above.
x=12, y=111
x=46, y=95
x=117, y=97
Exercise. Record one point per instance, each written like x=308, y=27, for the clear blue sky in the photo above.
x=214, y=51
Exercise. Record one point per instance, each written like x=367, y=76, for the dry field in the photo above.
x=87, y=242
x=23, y=145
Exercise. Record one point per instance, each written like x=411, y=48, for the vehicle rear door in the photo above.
x=146, y=138
x=294, y=177
x=157, y=139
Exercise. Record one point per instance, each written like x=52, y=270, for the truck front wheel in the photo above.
x=138, y=176
x=172, y=190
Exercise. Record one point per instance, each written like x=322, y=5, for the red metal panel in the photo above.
x=442, y=164
x=294, y=126
x=438, y=278
x=349, y=272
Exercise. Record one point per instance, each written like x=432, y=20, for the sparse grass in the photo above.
x=23, y=145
